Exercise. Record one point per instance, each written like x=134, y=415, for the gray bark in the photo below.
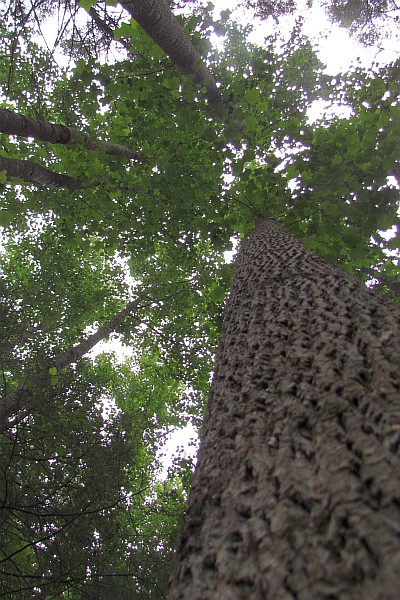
x=33, y=173
x=18, y=400
x=296, y=494
x=13, y=123
x=157, y=20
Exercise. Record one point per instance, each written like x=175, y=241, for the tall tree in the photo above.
x=209, y=173
x=295, y=493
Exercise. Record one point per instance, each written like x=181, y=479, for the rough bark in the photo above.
x=18, y=400
x=14, y=123
x=33, y=173
x=296, y=494
x=157, y=20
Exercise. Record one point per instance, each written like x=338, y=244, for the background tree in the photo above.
x=160, y=24
x=16, y=124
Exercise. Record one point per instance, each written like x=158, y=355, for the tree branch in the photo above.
x=31, y=172
x=14, y=123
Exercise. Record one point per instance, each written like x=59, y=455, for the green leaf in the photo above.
x=87, y=4
x=251, y=123
x=126, y=30
x=226, y=274
x=54, y=380
x=292, y=171
x=252, y=96
x=80, y=66
x=5, y=218
x=217, y=294
x=306, y=176
x=238, y=166
x=337, y=159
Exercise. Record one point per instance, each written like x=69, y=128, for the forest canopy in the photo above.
x=123, y=185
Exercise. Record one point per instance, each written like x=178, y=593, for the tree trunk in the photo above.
x=15, y=124
x=296, y=494
x=157, y=20
x=18, y=399
x=33, y=173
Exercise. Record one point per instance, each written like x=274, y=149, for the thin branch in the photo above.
x=105, y=28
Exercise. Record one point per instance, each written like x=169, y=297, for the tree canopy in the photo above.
x=84, y=511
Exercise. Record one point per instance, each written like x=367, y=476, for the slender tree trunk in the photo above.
x=296, y=494
x=33, y=173
x=105, y=28
x=157, y=20
x=18, y=400
x=77, y=352
x=15, y=124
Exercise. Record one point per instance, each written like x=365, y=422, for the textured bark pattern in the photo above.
x=15, y=124
x=30, y=172
x=297, y=490
x=157, y=20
